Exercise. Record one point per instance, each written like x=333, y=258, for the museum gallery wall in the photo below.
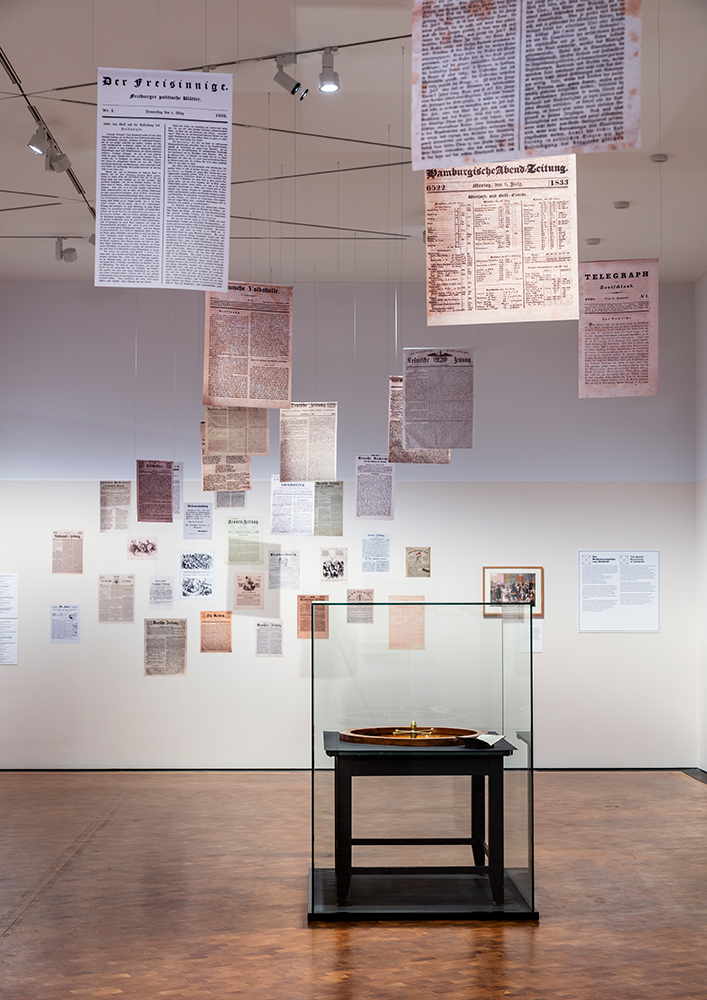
x=549, y=474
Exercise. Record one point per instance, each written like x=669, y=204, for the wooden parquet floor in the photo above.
x=193, y=884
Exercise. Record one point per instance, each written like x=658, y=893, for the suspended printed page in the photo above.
x=502, y=242
x=375, y=487
x=418, y=562
x=67, y=552
x=375, y=553
x=155, y=499
x=618, y=328
x=243, y=545
x=406, y=625
x=177, y=488
x=116, y=598
x=161, y=591
x=396, y=452
x=268, y=638
x=9, y=587
x=504, y=79
x=215, y=632
x=65, y=624
x=361, y=612
x=291, y=508
x=329, y=508
x=115, y=504
x=163, y=179
x=223, y=472
x=198, y=520
x=333, y=564
x=249, y=591
x=142, y=549
x=248, y=346
x=304, y=616
x=230, y=499
x=196, y=576
x=8, y=642
x=239, y=430
x=165, y=647
x=438, y=408
x=308, y=442
x=283, y=570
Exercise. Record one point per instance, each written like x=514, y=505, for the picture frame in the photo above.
x=512, y=584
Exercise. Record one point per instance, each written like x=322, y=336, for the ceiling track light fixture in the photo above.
x=67, y=254
x=328, y=78
x=621, y=204
x=593, y=241
x=284, y=79
x=39, y=143
x=55, y=160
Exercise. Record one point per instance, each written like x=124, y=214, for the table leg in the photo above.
x=342, y=830
x=478, y=817
x=495, y=841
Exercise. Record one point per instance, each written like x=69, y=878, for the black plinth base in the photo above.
x=414, y=894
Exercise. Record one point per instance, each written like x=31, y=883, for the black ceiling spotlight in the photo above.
x=285, y=80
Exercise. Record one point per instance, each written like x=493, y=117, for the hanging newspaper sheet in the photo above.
x=161, y=593
x=67, y=552
x=65, y=624
x=163, y=179
x=248, y=346
x=329, y=508
x=223, y=472
x=305, y=611
x=406, y=625
x=375, y=487
x=438, y=409
x=243, y=545
x=375, y=552
x=177, y=488
x=198, y=520
x=165, y=646
x=396, y=452
x=361, y=612
x=618, y=328
x=268, y=637
x=215, y=632
x=8, y=642
x=504, y=79
x=9, y=587
x=240, y=430
x=417, y=562
x=115, y=504
x=116, y=598
x=333, y=565
x=619, y=591
x=249, y=591
x=155, y=497
x=502, y=242
x=230, y=498
x=283, y=570
x=308, y=443
x=291, y=508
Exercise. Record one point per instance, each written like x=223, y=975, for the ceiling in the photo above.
x=312, y=233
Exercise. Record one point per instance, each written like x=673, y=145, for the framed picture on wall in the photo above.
x=514, y=585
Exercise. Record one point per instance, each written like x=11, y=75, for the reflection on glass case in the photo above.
x=422, y=756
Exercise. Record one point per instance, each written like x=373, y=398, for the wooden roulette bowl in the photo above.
x=410, y=736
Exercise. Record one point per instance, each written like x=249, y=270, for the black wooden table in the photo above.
x=479, y=762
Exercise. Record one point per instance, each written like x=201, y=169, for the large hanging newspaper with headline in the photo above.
x=248, y=346
x=163, y=179
x=502, y=242
x=504, y=79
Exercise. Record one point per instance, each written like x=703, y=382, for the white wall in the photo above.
x=701, y=502
x=549, y=474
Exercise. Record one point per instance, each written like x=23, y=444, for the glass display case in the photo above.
x=421, y=824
